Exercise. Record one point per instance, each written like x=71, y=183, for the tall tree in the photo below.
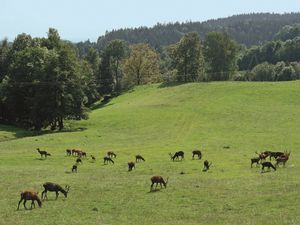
x=141, y=66
x=116, y=50
x=188, y=59
x=220, y=53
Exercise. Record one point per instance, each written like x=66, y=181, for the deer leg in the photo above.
x=56, y=195
x=32, y=204
x=151, y=186
x=19, y=203
x=25, y=203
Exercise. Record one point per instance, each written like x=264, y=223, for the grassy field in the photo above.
x=153, y=121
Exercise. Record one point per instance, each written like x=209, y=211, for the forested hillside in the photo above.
x=248, y=29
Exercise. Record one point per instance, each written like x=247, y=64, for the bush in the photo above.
x=263, y=72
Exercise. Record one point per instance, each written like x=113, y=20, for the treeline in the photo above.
x=247, y=29
x=44, y=81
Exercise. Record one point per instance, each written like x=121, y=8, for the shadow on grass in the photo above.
x=17, y=132
x=170, y=84
x=154, y=191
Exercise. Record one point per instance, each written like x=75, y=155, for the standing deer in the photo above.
x=206, y=165
x=177, y=155
x=275, y=155
x=131, y=165
x=29, y=195
x=139, y=158
x=108, y=159
x=52, y=187
x=158, y=180
x=263, y=155
x=267, y=164
x=43, y=153
x=198, y=153
x=282, y=159
x=111, y=154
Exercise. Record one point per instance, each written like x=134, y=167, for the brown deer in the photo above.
x=267, y=164
x=74, y=168
x=263, y=155
x=206, y=165
x=197, y=153
x=52, y=187
x=255, y=160
x=282, y=159
x=43, y=153
x=93, y=158
x=158, y=180
x=139, y=158
x=69, y=152
x=30, y=195
x=177, y=155
x=74, y=152
x=111, y=154
x=131, y=166
x=107, y=159
x=275, y=155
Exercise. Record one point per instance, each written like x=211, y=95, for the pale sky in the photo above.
x=79, y=20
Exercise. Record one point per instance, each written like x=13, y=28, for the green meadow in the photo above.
x=153, y=121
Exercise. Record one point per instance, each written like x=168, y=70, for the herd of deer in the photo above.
x=280, y=158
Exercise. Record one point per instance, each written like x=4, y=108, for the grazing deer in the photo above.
x=255, y=160
x=52, y=187
x=198, y=153
x=206, y=165
x=131, y=166
x=69, y=152
x=74, y=168
x=83, y=154
x=158, y=180
x=282, y=159
x=177, y=155
x=93, y=158
x=138, y=158
x=43, y=153
x=78, y=160
x=108, y=159
x=29, y=195
x=111, y=154
x=267, y=164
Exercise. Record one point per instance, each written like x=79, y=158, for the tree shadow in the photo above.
x=170, y=84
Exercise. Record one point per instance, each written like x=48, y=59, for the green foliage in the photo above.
x=220, y=53
x=263, y=72
x=110, y=75
x=288, y=32
x=45, y=83
x=141, y=66
x=187, y=58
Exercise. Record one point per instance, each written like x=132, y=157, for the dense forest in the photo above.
x=247, y=29
x=44, y=81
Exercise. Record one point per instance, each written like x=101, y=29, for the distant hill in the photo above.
x=248, y=29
